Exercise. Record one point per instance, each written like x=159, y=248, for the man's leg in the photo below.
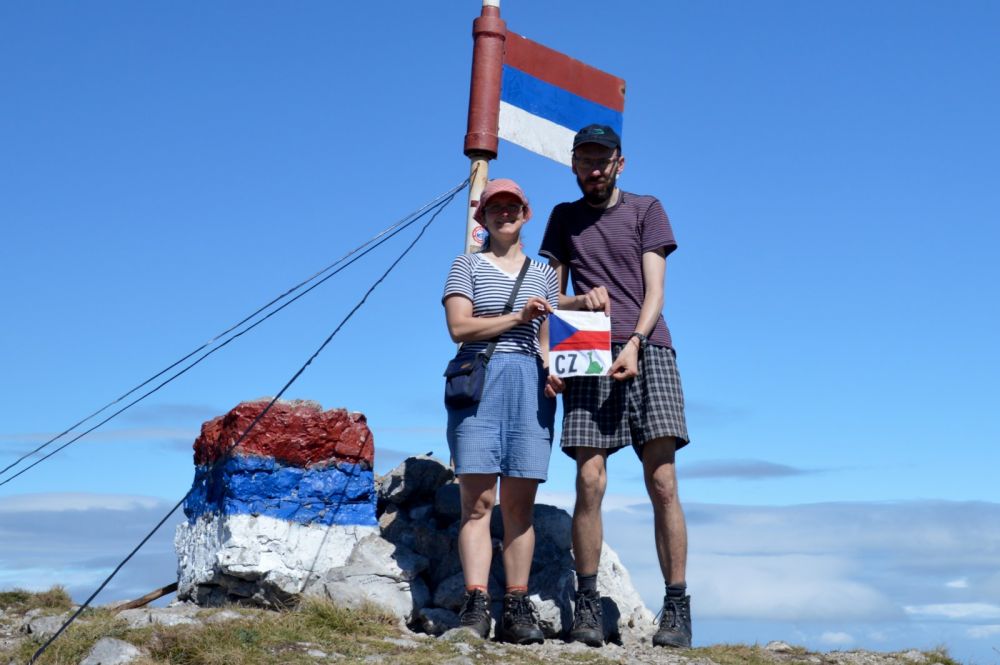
x=588, y=527
x=588, y=535
x=670, y=531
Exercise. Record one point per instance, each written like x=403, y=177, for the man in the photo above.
x=614, y=246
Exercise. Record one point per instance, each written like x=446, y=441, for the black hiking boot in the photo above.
x=675, y=623
x=519, y=623
x=588, y=619
x=475, y=613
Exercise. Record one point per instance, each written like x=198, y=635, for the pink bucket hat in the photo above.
x=498, y=186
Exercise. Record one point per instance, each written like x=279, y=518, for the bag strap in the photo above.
x=509, y=307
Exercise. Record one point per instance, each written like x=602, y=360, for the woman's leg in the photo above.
x=517, y=504
x=475, y=548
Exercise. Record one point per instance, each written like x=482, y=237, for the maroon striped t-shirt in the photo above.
x=605, y=248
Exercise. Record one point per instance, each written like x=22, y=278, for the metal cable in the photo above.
x=256, y=420
x=376, y=241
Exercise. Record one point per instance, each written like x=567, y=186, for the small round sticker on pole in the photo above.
x=479, y=235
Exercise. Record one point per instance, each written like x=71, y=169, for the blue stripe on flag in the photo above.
x=552, y=103
x=559, y=331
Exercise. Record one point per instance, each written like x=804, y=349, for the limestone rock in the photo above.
x=109, y=651
x=413, y=481
x=436, y=621
x=43, y=627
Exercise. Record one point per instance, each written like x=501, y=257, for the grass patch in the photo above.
x=940, y=655
x=74, y=644
x=272, y=637
x=19, y=600
x=744, y=654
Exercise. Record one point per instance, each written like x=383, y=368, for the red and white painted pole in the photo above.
x=489, y=33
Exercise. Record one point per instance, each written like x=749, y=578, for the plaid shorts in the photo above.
x=599, y=412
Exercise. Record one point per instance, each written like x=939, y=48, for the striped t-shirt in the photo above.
x=488, y=287
x=605, y=248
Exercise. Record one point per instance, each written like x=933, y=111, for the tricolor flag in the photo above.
x=546, y=97
x=579, y=343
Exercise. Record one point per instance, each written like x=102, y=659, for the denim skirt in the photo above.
x=509, y=432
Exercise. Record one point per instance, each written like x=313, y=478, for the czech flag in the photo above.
x=579, y=343
x=547, y=97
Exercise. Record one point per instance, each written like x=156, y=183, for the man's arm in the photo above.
x=654, y=269
x=594, y=300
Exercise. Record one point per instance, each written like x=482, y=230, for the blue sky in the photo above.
x=830, y=172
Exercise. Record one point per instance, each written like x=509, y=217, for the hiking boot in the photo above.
x=588, y=619
x=675, y=623
x=475, y=613
x=519, y=623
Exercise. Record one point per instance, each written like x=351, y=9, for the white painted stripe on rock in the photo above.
x=230, y=550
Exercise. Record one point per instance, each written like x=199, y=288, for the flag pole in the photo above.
x=489, y=32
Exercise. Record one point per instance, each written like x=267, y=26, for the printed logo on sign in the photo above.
x=479, y=235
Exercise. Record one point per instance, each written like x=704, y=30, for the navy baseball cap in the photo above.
x=600, y=134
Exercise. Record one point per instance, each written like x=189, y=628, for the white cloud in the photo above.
x=981, y=632
x=964, y=611
x=784, y=587
x=740, y=469
x=74, y=501
x=836, y=638
x=612, y=502
x=960, y=583
x=77, y=539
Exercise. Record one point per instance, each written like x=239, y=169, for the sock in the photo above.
x=676, y=590
x=475, y=587
x=586, y=582
x=517, y=591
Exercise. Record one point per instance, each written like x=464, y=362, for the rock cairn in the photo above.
x=295, y=510
x=267, y=516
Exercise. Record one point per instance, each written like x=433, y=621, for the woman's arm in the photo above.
x=464, y=327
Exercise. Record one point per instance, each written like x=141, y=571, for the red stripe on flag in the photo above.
x=565, y=72
x=585, y=340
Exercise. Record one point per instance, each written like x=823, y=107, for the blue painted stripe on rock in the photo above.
x=554, y=104
x=341, y=493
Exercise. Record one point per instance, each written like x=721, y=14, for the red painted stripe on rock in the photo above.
x=295, y=433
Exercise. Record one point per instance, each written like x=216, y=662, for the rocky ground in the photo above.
x=189, y=634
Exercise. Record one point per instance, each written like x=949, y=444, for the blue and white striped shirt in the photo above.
x=488, y=287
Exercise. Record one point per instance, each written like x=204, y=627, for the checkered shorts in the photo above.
x=600, y=412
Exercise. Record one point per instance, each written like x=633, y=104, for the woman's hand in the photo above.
x=533, y=309
x=554, y=385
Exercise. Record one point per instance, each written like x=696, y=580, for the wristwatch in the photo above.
x=642, y=340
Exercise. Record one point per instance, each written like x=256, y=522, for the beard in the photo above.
x=597, y=191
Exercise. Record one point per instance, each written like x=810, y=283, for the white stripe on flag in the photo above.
x=536, y=134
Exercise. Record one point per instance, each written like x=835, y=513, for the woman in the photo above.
x=509, y=432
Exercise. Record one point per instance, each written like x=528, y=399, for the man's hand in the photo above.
x=554, y=385
x=626, y=365
x=596, y=300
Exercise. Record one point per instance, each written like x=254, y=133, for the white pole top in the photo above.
x=491, y=3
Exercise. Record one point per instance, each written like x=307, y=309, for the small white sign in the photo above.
x=579, y=343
